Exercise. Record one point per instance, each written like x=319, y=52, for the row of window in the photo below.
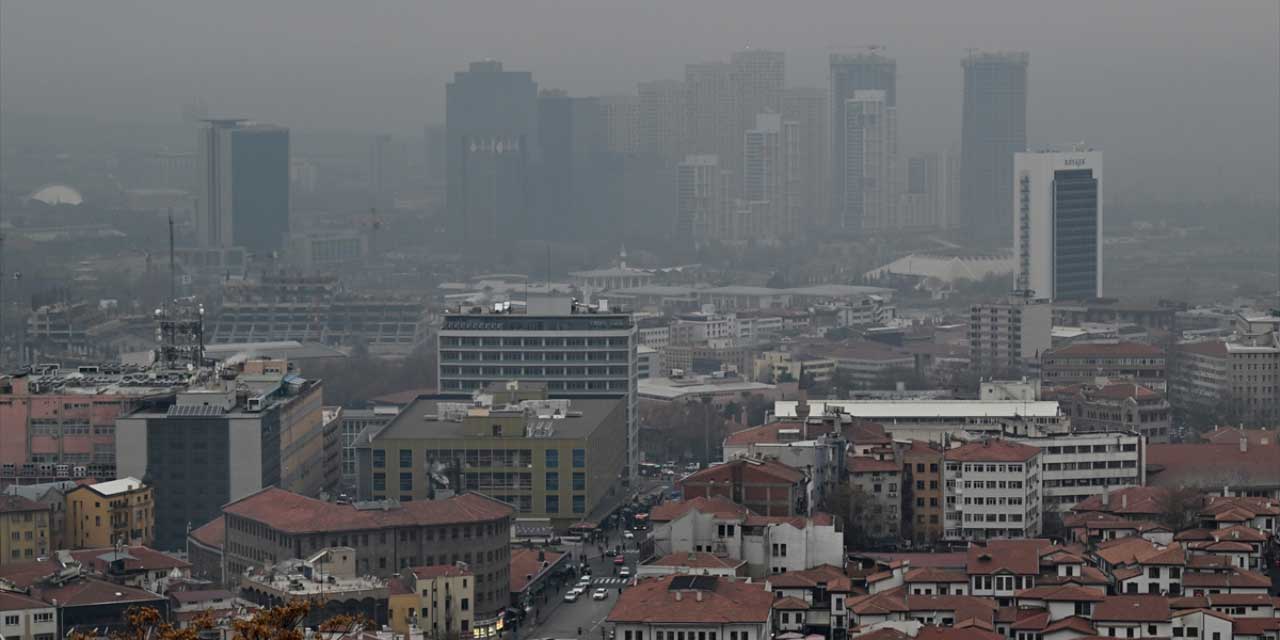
x=479, y=457
x=469, y=341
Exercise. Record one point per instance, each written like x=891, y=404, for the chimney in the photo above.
x=1124, y=501
x=679, y=596
x=1244, y=443
x=1106, y=496
x=698, y=594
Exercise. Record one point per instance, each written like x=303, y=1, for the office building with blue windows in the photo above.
x=1057, y=220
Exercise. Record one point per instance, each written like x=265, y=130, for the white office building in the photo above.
x=1057, y=223
x=870, y=149
x=993, y=490
x=1079, y=465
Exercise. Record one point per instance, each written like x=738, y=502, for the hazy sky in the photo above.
x=1183, y=96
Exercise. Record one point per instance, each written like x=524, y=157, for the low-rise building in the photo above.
x=931, y=420
x=27, y=618
x=993, y=490
x=765, y=487
x=436, y=600
x=678, y=606
x=52, y=495
x=326, y=578
x=273, y=525
x=814, y=444
x=1238, y=469
x=1083, y=362
x=109, y=513
x=1076, y=466
x=1115, y=406
x=553, y=460
x=1229, y=375
x=1009, y=337
x=868, y=365
x=877, y=494
x=25, y=533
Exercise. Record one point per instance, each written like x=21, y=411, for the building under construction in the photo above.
x=317, y=309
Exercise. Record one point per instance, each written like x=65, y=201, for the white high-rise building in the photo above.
x=1057, y=223
x=700, y=197
x=770, y=167
x=870, y=130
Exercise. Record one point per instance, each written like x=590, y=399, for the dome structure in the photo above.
x=56, y=194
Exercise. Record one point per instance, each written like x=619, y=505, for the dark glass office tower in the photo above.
x=994, y=128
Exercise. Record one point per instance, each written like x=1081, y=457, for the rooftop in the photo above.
x=1145, y=608
x=293, y=513
x=116, y=487
x=525, y=562
x=719, y=506
x=670, y=389
x=932, y=409
x=992, y=451
x=682, y=600
x=212, y=533
x=19, y=504
x=1007, y=556
x=1212, y=465
x=742, y=469
x=696, y=561
x=1107, y=350
x=434, y=418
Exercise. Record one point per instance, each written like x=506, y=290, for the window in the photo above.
x=379, y=482
x=579, y=458
x=44, y=617
x=406, y=458
x=379, y=458
x=1153, y=572
x=11, y=621
x=579, y=504
x=406, y=482
x=579, y=481
x=553, y=458
x=466, y=604
x=552, y=481
x=553, y=504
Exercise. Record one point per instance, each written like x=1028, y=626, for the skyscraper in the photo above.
x=757, y=81
x=1057, y=223
x=491, y=123
x=663, y=116
x=851, y=73
x=621, y=116
x=920, y=204
x=713, y=118
x=994, y=128
x=867, y=200
x=700, y=197
x=244, y=186
x=771, y=157
x=571, y=139
x=807, y=107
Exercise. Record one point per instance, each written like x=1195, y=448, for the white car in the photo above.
x=624, y=572
x=627, y=535
x=599, y=594
x=572, y=595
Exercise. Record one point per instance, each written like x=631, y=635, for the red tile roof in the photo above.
x=293, y=513
x=1223, y=600
x=1232, y=435
x=212, y=533
x=1255, y=626
x=201, y=595
x=934, y=575
x=524, y=562
x=25, y=574
x=1012, y=556
x=1251, y=506
x=1129, y=500
x=1211, y=465
x=863, y=433
x=952, y=560
x=1062, y=593
x=955, y=633
x=1215, y=348
x=992, y=451
x=696, y=561
x=455, y=571
x=807, y=579
x=755, y=471
x=1136, y=550
x=790, y=603
x=865, y=464
x=19, y=504
x=136, y=558
x=1124, y=391
x=719, y=506
x=651, y=600
x=1145, y=608
x=1106, y=350
x=1079, y=625
x=84, y=592
x=18, y=602
x=1237, y=579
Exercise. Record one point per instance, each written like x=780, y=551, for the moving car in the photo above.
x=599, y=594
x=572, y=595
x=619, y=559
x=624, y=572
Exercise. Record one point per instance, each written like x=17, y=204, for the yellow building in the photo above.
x=553, y=460
x=438, y=600
x=101, y=515
x=24, y=530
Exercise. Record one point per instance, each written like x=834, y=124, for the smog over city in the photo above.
x=639, y=320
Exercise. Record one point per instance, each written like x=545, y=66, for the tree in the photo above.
x=285, y=622
x=1180, y=507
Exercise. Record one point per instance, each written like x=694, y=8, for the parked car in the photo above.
x=572, y=595
x=600, y=594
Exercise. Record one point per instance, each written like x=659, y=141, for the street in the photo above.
x=559, y=619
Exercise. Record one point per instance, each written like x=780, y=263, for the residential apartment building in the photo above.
x=273, y=525
x=119, y=512
x=770, y=545
x=1074, y=467
x=552, y=460
x=54, y=496
x=436, y=600
x=1007, y=338
x=924, y=498
x=1239, y=375
x=671, y=607
x=877, y=486
x=221, y=441
x=579, y=353
x=1085, y=362
x=27, y=618
x=765, y=487
x=814, y=444
x=1115, y=407
x=993, y=490
x=25, y=533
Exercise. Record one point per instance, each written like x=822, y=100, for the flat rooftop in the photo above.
x=420, y=420
x=669, y=389
x=932, y=409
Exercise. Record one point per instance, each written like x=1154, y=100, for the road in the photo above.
x=559, y=619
